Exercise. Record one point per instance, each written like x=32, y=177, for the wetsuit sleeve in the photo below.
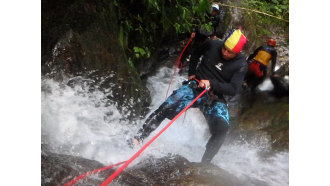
x=254, y=54
x=195, y=58
x=231, y=88
x=274, y=56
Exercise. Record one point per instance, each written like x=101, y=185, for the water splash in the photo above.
x=266, y=85
x=78, y=122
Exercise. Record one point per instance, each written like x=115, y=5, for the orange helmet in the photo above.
x=271, y=42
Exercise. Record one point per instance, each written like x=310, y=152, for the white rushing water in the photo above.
x=266, y=85
x=77, y=122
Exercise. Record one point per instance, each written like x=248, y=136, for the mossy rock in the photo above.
x=267, y=116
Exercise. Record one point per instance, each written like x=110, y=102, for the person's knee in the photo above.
x=218, y=126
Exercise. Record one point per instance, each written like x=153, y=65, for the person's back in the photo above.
x=258, y=62
x=264, y=54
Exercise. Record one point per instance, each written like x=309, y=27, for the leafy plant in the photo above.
x=143, y=24
x=278, y=8
x=140, y=52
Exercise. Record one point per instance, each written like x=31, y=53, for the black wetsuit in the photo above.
x=226, y=77
x=252, y=79
x=269, y=49
x=215, y=19
x=201, y=35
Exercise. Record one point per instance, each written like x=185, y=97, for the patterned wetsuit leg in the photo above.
x=176, y=102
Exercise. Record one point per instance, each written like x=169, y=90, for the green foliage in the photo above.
x=121, y=37
x=278, y=8
x=143, y=24
x=206, y=26
x=261, y=26
x=130, y=63
x=140, y=52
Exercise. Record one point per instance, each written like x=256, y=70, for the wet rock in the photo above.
x=172, y=51
x=263, y=121
x=66, y=58
x=58, y=169
x=176, y=170
x=281, y=86
x=88, y=47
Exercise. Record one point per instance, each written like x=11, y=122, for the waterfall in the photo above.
x=78, y=122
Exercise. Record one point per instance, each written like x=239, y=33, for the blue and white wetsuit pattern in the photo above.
x=181, y=98
x=225, y=77
x=214, y=111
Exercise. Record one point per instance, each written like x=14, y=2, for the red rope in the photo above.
x=74, y=180
x=196, y=80
x=177, y=64
x=109, y=179
x=121, y=168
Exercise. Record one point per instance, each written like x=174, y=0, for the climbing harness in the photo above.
x=126, y=163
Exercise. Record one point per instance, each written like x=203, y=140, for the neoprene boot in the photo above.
x=152, y=122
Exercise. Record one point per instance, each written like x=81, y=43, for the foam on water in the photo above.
x=78, y=122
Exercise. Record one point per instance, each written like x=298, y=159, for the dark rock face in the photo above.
x=262, y=118
x=60, y=16
x=58, y=169
x=281, y=87
x=176, y=170
x=170, y=170
x=79, y=39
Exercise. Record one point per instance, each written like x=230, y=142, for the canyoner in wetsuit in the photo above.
x=214, y=19
x=258, y=62
x=222, y=69
x=202, y=35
